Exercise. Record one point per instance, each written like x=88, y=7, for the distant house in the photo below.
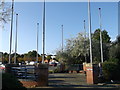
x=46, y=61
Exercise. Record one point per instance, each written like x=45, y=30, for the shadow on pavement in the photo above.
x=42, y=88
x=60, y=77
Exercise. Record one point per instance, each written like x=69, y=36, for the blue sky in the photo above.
x=70, y=14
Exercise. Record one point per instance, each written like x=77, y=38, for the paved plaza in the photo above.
x=67, y=79
x=74, y=81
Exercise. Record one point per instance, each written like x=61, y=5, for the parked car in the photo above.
x=52, y=64
x=2, y=66
x=32, y=63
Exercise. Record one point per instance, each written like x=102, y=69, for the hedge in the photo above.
x=111, y=71
x=9, y=81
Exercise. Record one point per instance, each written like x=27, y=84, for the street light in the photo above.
x=101, y=35
x=16, y=38
x=11, y=32
x=89, y=23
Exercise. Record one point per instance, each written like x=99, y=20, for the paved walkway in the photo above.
x=74, y=80
x=67, y=79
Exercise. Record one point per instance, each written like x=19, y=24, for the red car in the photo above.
x=2, y=67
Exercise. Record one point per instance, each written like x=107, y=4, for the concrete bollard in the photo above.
x=42, y=72
x=92, y=72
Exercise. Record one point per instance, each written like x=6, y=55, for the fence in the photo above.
x=74, y=67
x=66, y=68
x=29, y=74
x=26, y=72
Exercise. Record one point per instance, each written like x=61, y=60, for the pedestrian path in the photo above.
x=73, y=81
x=67, y=79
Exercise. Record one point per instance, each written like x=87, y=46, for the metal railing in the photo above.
x=24, y=72
x=75, y=67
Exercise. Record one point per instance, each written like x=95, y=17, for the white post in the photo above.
x=85, y=41
x=62, y=37
x=11, y=32
x=101, y=35
x=16, y=38
x=89, y=22
x=43, y=33
x=37, y=42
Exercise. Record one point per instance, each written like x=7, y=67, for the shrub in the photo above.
x=111, y=70
x=51, y=71
x=9, y=81
x=57, y=70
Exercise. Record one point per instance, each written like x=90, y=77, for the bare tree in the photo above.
x=5, y=12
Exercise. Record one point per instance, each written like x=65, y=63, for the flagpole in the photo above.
x=16, y=38
x=62, y=37
x=101, y=35
x=43, y=56
x=11, y=32
x=85, y=41
x=89, y=22
x=37, y=41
